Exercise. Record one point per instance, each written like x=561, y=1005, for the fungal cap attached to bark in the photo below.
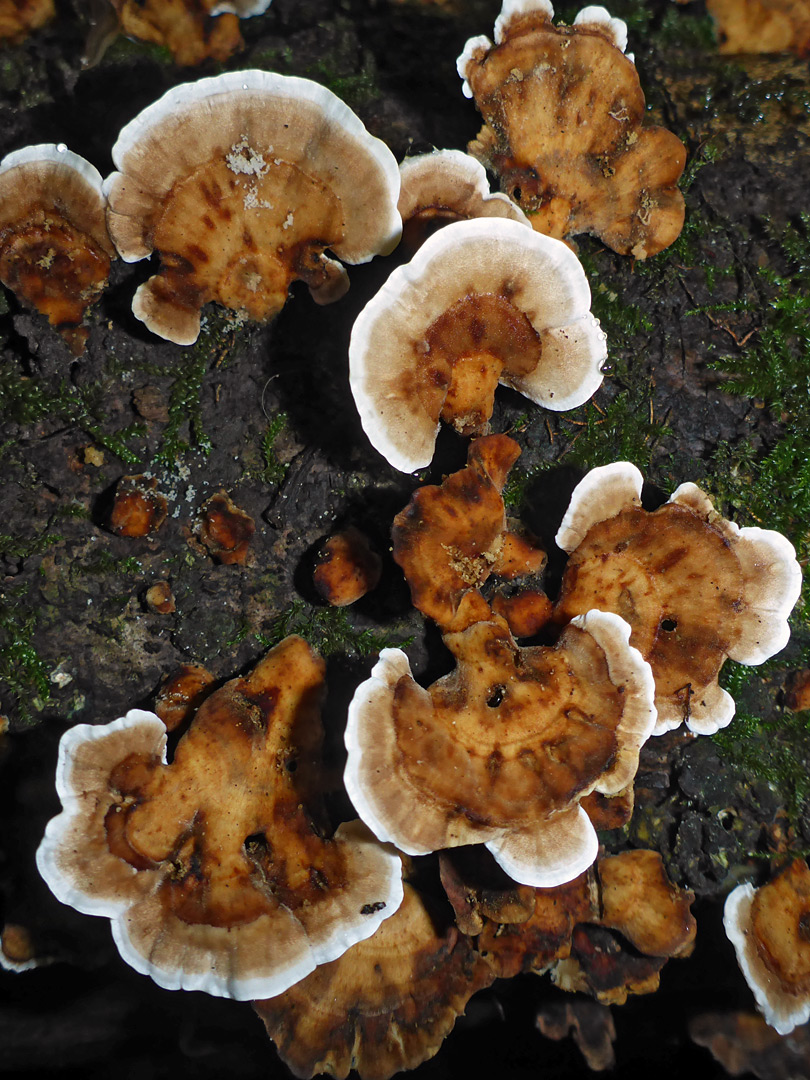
x=501, y=750
x=694, y=587
x=241, y=181
x=19, y=17
x=483, y=301
x=385, y=1005
x=215, y=869
x=563, y=112
x=768, y=929
x=54, y=248
x=347, y=568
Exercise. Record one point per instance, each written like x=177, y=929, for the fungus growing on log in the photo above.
x=241, y=182
x=762, y=26
x=225, y=530
x=387, y=1004
x=500, y=751
x=445, y=186
x=347, y=568
x=19, y=17
x=218, y=870
x=768, y=928
x=138, y=508
x=694, y=587
x=563, y=112
x=54, y=248
x=483, y=301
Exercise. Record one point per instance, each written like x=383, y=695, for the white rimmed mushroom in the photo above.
x=695, y=587
x=215, y=869
x=767, y=927
x=500, y=751
x=241, y=182
x=55, y=251
x=483, y=301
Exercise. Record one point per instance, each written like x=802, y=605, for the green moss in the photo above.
x=24, y=676
x=328, y=630
x=272, y=470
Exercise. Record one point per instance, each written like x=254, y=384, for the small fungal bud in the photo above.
x=347, y=568
x=139, y=509
x=797, y=691
x=181, y=693
x=17, y=952
x=92, y=455
x=160, y=599
x=225, y=530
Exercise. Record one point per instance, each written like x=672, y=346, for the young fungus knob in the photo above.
x=563, y=112
x=769, y=928
x=54, y=248
x=218, y=870
x=483, y=301
x=694, y=587
x=241, y=182
x=500, y=751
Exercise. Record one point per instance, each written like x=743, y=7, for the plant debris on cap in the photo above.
x=563, y=112
x=387, y=1004
x=450, y=538
x=218, y=870
x=500, y=751
x=761, y=26
x=768, y=929
x=445, y=186
x=694, y=587
x=483, y=301
x=347, y=568
x=193, y=30
x=19, y=17
x=240, y=182
x=55, y=251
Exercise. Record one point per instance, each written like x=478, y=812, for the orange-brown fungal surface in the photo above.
x=55, y=251
x=762, y=26
x=386, y=1005
x=449, y=538
x=225, y=530
x=138, y=507
x=181, y=693
x=444, y=186
x=347, y=568
x=480, y=891
x=563, y=111
x=601, y=964
x=192, y=30
x=241, y=182
x=218, y=870
x=501, y=750
x=694, y=587
x=769, y=930
x=19, y=17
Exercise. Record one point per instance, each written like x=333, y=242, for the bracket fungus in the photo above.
x=217, y=869
x=694, y=587
x=19, y=17
x=500, y=751
x=241, y=182
x=54, y=248
x=385, y=1005
x=762, y=26
x=445, y=186
x=347, y=568
x=768, y=928
x=563, y=128
x=483, y=301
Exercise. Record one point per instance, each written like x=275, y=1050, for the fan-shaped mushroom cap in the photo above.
x=563, y=112
x=482, y=302
x=500, y=751
x=241, y=182
x=54, y=248
x=387, y=1004
x=694, y=587
x=768, y=929
x=214, y=868
x=445, y=186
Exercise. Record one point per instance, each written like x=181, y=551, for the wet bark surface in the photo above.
x=265, y=413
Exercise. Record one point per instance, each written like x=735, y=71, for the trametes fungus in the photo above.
x=240, y=182
x=449, y=539
x=347, y=568
x=563, y=112
x=500, y=751
x=445, y=186
x=386, y=1005
x=483, y=301
x=19, y=17
x=225, y=530
x=762, y=26
x=217, y=869
x=138, y=508
x=54, y=248
x=768, y=928
x=193, y=30
x=694, y=587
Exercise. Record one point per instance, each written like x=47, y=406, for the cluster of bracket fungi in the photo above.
x=220, y=869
